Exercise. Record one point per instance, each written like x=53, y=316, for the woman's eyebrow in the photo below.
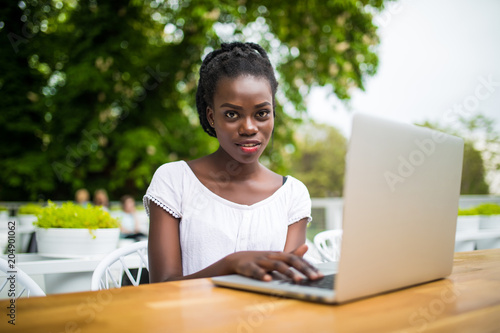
x=237, y=107
x=261, y=105
x=232, y=106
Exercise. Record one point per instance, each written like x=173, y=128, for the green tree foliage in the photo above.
x=100, y=93
x=319, y=161
x=481, y=130
x=473, y=174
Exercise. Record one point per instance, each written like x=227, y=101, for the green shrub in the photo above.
x=3, y=208
x=29, y=209
x=468, y=211
x=70, y=215
x=482, y=209
x=488, y=209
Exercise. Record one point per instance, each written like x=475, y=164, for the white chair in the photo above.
x=312, y=255
x=22, y=280
x=328, y=244
x=109, y=273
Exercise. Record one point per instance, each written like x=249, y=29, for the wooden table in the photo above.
x=467, y=301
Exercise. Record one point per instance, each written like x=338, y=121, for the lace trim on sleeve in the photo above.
x=297, y=219
x=147, y=198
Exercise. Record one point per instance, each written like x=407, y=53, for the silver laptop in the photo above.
x=401, y=192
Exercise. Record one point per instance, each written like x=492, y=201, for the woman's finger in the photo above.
x=298, y=263
x=301, y=250
x=253, y=270
x=281, y=267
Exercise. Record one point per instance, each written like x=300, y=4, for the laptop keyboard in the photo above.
x=327, y=282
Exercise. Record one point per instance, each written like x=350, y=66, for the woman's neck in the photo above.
x=225, y=164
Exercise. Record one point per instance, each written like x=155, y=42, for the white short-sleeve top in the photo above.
x=212, y=227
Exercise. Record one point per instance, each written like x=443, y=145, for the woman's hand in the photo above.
x=258, y=264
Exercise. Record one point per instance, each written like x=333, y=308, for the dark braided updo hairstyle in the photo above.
x=231, y=61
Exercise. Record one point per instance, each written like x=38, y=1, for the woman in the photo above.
x=226, y=213
x=129, y=221
x=101, y=199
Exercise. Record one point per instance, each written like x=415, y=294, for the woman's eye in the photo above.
x=231, y=115
x=263, y=113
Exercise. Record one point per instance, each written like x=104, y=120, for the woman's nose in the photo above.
x=248, y=126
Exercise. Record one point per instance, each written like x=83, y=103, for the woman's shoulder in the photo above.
x=290, y=183
x=295, y=185
x=167, y=187
x=171, y=172
x=171, y=167
x=294, y=180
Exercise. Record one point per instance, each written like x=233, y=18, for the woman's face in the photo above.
x=129, y=205
x=242, y=116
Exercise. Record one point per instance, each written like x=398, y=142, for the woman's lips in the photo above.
x=249, y=148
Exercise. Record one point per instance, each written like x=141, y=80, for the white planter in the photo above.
x=489, y=223
x=466, y=224
x=76, y=243
x=4, y=216
x=26, y=220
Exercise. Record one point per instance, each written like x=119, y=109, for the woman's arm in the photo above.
x=296, y=235
x=164, y=250
x=165, y=262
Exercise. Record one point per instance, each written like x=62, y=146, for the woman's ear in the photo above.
x=210, y=116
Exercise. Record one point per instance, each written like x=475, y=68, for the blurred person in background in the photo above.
x=101, y=199
x=130, y=225
x=82, y=197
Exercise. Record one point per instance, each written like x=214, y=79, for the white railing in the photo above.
x=467, y=239
x=333, y=207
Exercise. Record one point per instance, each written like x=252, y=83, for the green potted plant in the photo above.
x=490, y=215
x=4, y=218
x=27, y=214
x=4, y=213
x=70, y=230
x=468, y=219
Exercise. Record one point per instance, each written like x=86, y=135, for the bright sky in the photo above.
x=436, y=57
x=432, y=56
